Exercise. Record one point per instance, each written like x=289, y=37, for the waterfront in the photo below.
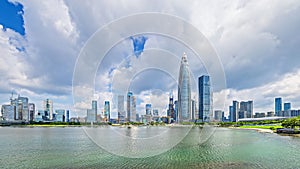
x=69, y=147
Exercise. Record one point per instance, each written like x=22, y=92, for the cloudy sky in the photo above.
x=258, y=43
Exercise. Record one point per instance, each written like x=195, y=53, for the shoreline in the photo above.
x=259, y=130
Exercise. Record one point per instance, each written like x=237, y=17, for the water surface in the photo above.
x=69, y=147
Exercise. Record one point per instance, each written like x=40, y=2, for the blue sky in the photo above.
x=258, y=48
x=11, y=16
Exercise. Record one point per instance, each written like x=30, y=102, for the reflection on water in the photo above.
x=71, y=148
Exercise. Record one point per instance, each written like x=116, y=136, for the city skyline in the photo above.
x=43, y=64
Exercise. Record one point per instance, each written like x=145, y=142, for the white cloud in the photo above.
x=257, y=42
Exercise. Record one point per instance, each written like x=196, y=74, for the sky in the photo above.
x=257, y=43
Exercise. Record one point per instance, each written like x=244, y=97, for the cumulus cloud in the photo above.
x=258, y=49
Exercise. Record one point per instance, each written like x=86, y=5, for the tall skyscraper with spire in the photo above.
x=184, y=91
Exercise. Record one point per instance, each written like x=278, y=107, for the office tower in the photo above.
x=230, y=114
x=184, y=91
x=17, y=110
x=91, y=114
x=286, y=106
x=40, y=116
x=246, y=109
x=67, y=116
x=218, y=115
x=131, y=107
x=235, y=110
x=193, y=109
x=176, y=110
x=8, y=112
x=48, y=108
x=148, y=109
x=137, y=119
x=31, y=111
x=60, y=115
x=107, y=110
x=278, y=106
x=205, y=98
x=121, y=110
x=94, y=106
x=171, y=111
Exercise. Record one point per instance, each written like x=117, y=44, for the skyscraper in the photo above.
x=121, y=111
x=184, y=91
x=48, y=108
x=193, y=109
x=278, y=106
x=171, y=111
x=247, y=109
x=148, y=109
x=94, y=106
x=67, y=116
x=31, y=111
x=231, y=113
x=235, y=110
x=205, y=108
x=107, y=110
x=92, y=113
x=287, y=106
x=131, y=107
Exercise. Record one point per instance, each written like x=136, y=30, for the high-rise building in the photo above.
x=94, y=106
x=184, y=91
x=230, y=114
x=176, y=110
x=148, y=109
x=205, y=99
x=107, y=110
x=278, y=106
x=67, y=116
x=131, y=107
x=17, y=110
x=218, y=115
x=193, y=109
x=246, y=108
x=60, y=115
x=121, y=110
x=91, y=114
x=235, y=110
x=8, y=112
x=31, y=111
x=48, y=108
x=287, y=106
x=171, y=111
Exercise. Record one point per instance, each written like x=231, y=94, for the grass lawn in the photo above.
x=262, y=127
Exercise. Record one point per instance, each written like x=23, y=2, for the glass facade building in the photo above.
x=48, y=108
x=131, y=107
x=148, y=109
x=121, y=110
x=107, y=110
x=184, y=91
x=278, y=106
x=287, y=106
x=205, y=102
